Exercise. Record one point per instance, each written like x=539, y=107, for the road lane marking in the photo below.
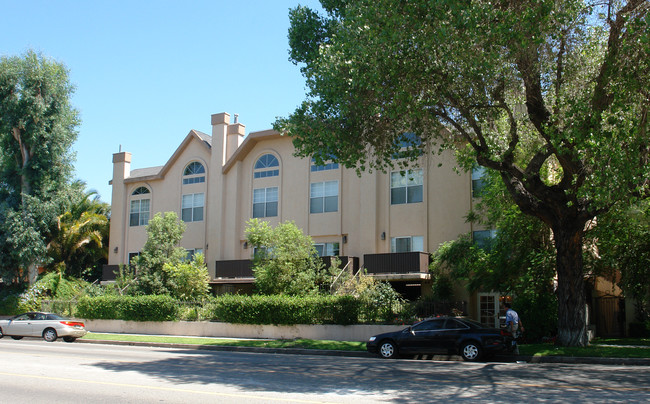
x=173, y=389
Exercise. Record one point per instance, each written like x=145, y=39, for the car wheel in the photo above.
x=1, y=334
x=387, y=349
x=49, y=335
x=471, y=351
x=16, y=337
x=69, y=339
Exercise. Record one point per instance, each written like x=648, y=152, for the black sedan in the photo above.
x=448, y=335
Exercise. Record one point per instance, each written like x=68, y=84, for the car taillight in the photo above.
x=73, y=323
x=505, y=333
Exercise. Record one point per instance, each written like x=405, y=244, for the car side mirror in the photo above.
x=411, y=330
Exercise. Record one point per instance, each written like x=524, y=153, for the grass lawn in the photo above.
x=600, y=348
x=604, y=348
x=263, y=343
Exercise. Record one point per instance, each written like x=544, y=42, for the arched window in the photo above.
x=194, y=168
x=264, y=166
x=140, y=207
x=140, y=191
x=192, y=173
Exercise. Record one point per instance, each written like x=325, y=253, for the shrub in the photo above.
x=287, y=310
x=99, y=307
x=134, y=308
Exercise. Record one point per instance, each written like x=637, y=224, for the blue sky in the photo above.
x=147, y=72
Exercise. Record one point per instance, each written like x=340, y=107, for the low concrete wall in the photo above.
x=227, y=330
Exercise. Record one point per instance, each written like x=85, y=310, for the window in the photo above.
x=325, y=167
x=264, y=166
x=193, y=173
x=478, y=183
x=430, y=325
x=139, y=212
x=192, y=252
x=324, y=197
x=409, y=145
x=406, y=244
x=140, y=191
x=192, y=208
x=483, y=238
x=327, y=249
x=406, y=188
x=265, y=202
x=132, y=257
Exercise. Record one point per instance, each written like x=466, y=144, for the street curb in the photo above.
x=364, y=354
x=294, y=351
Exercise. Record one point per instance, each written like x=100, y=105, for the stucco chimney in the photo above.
x=220, y=124
x=234, y=138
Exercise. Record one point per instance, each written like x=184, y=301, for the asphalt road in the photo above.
x=33, y=371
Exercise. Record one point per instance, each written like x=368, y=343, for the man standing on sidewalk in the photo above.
x=513, y=324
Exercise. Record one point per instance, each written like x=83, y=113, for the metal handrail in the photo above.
x=339, y=275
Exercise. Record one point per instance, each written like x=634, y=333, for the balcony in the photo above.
x=233, y=271
x=351, y=262
x=407, y=266
x=110, y=272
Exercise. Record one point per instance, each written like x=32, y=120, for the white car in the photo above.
x=50, y=326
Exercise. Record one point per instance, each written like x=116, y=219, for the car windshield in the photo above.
x=55, y=317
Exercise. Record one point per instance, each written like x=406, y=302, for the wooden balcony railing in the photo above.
x=397, y=263
x=234, y=269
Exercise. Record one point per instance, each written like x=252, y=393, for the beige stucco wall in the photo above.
x=364, y=208
x=227, y=330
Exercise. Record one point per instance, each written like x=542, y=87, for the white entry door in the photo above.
x=488, y=309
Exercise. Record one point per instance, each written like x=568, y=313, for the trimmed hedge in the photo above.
x=134, y=308
x=287, y=310
x=238, y=309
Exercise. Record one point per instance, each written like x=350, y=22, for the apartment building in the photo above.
x=384, y=223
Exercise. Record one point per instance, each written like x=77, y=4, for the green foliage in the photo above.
x=188, y=280
x=37, y=130
x=287, y=262
x=519, y=261
x=50, y=286
x=133, y=308
x=623, y=241
x=164, y=233
x=378, y=300
x=552, y=96
x=79, y=240
x=287, y=310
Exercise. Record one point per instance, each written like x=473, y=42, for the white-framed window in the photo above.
x=192, y=252
x=483, y=238
x=192, y=207
x=488, y=309
x=139, y=215
x=265, y=166
x=265, y=202
x=406, y=244
x=324, y=197
x=406, y=186
x=132, y=257
x=194, y=173
x=478, y=183
x=327, y=249
x=140, y=191
x=327, y=166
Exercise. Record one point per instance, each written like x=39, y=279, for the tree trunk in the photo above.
x=32, y=273
x=572, y=321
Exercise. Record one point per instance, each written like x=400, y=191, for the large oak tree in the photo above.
x=553, y=95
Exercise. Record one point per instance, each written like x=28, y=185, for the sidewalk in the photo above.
x=363, y=354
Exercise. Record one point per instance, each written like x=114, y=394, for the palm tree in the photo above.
x=79, y=240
